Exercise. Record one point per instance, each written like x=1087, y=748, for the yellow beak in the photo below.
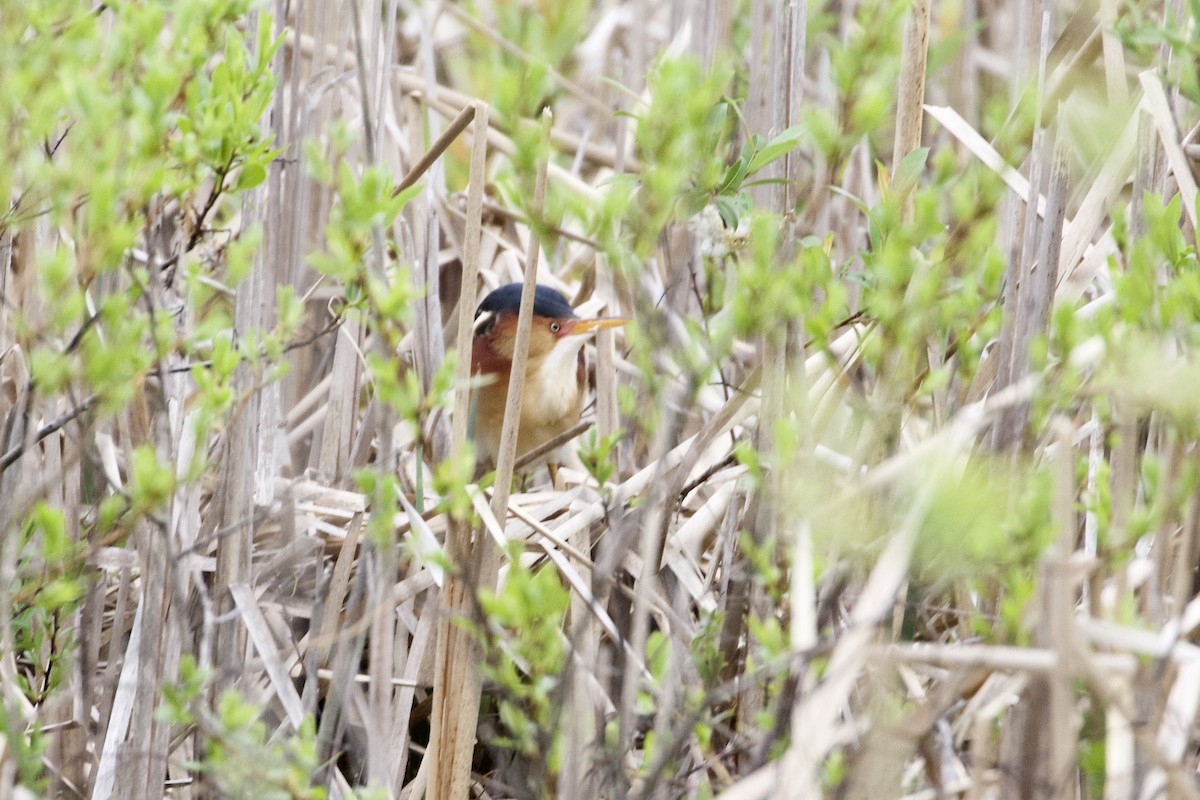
x=584, y=326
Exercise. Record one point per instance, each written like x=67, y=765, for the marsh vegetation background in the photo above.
x=891, y=489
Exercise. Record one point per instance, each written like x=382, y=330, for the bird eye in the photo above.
x=555, y=327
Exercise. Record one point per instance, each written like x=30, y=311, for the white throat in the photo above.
x=561, y=393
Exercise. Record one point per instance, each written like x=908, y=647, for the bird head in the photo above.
x=556, y=327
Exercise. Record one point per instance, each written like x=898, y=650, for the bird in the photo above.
x=555, y=372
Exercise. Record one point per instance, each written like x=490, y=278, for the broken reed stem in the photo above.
x=456, y=127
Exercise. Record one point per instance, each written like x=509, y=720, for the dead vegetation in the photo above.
x=852, y=555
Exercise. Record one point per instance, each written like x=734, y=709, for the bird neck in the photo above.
x=552, y=371
x=563, y=360
x=486, y=361
x=554, y=383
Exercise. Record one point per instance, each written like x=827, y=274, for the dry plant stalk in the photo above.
x=457, y=681
x=263, y=571
x=910, y=99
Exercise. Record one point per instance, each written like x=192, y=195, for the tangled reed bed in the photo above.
x=822, y=539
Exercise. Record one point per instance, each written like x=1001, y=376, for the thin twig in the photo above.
x=17, y=451
x=456, y=127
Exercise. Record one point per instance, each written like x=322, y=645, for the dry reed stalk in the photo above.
x=1114, y=57
x=1170, y=451
x=910, y=97
x=260, y=635
x=428, y=344
x=452, y=731
x=1182, y=704
x=108, y=769
x=607, y=420
x=457, y=682
x=472, y=240
x=997, y=658
x=449, y=98
x=332, y=447
x=651, y=530
x=380, y=563
x=748, y=596
x=981, y=149
x=1154, y=100
x=1031, y=276
x=249, y=446
x=368, y=713
x=584, y=95
x=758, y=81
x=797, y=50
x=1058, y=609
x=1079, y=233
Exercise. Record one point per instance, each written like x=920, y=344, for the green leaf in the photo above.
x=775, y=149
x=56, y=546
x=728, y=212
x=908, y=171
x=401, y=199
x=253, y=174
x=733, y=176
x=737, y=171
x=151, y=482
x=59, y=592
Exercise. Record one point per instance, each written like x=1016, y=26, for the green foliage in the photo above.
x=180, y=695
x=42, y=641
x=766, y=568
x=51, y=579
x=757, y=154
x=26, y=747
x=80, y=85
x=1144, y=31
x=135, y=116
x=219, y=132
x=150, y=481
x=241, y=757
x=710, y=661
x=979, y=540
x=596, y=453
x=120, y=120
x=547, y=34
x=929, y=281
x=864, y=69
x=681, y=138
x=1159, y=291
x=525, y=654
x=364, y=204
x=383, y=490
x=770, y=295
x=451, y=477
